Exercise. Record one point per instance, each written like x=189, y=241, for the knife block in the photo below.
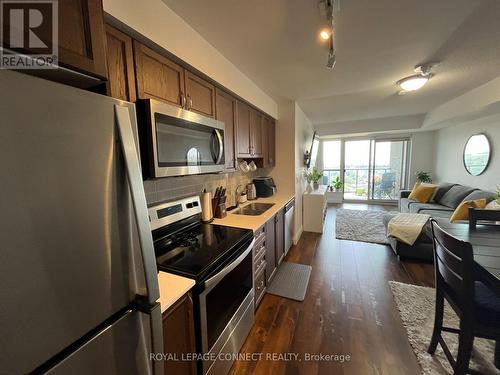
x=219, y=207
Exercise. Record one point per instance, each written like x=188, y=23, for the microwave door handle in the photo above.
x=210, y=283
x=218, y=136
x=134, y=177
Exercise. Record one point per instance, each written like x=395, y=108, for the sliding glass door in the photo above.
x=357, y=156
x=371, y=169
x=388, y=169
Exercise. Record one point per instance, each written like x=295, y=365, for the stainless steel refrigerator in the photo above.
x=78, y=278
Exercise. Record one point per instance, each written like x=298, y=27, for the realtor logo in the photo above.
x=28, y=34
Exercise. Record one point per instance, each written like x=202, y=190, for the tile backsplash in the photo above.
x=171, y=188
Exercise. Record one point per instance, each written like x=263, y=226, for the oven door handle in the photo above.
x=210, y=283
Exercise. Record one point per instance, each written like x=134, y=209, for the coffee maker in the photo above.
x=264, y=186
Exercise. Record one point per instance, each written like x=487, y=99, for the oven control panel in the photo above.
x=170, y=212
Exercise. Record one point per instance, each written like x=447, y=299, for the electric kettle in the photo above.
x=251, y=192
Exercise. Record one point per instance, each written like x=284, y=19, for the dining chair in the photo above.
x=477, y=306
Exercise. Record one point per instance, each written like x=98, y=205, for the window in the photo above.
x=370, y=169
x=331, y=161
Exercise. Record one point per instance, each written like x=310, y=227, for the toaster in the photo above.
x=264, y=186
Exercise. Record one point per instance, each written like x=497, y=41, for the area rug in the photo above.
x=291, y=281
x=416, y=308
x=360, y=225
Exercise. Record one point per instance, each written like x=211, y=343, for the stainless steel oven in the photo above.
x=176, y=142
x=220, y=260
x=227, y=311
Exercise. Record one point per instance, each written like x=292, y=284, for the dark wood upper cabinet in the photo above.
x=158, y=77
x=256, y=133
x=243, y=144
x=271, y=143
x=200, y=95
x=121, y=72
x=81, y=36
x=81, y=40
x=225, y=111
x=178, y=336
x=252, y=134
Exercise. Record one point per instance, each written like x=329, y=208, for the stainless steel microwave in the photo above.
x=176, y=142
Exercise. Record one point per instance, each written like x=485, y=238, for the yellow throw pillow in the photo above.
x=422, y=192
x=462, y=211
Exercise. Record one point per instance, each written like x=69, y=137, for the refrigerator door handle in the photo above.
x=134, y=176
x=157, y=338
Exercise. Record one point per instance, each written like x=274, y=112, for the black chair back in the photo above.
x=453, y=262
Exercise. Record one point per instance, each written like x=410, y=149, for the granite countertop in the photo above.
x=172, y=287
x=255, y=222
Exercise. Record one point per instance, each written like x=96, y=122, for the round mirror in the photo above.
x=477, y=153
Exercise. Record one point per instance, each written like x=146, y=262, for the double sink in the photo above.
x=252, y=209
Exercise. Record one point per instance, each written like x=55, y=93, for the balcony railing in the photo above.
x=357, y=183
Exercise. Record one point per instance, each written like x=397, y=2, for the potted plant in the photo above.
x=337, y=184
x=335, y=193
x=423, y=177
x=495, y=205
x=313, y=176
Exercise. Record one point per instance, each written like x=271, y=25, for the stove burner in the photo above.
x=193, y=249
x=186, y=240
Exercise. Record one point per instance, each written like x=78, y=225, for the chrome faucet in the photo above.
x=237, y=195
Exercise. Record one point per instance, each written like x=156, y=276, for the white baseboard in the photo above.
x=296, y=236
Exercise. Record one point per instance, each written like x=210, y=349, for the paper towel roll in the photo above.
x=206, y=207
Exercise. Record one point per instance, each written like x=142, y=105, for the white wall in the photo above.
x=283, y=172
x=421, y=155
x=293, y=136
x=449, y=147
x=303, y=137
x=156, y=21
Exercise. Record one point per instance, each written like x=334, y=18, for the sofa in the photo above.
x=446, y=199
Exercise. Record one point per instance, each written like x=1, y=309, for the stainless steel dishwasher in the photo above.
x=289, y=208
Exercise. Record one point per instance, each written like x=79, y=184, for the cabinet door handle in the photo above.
x=183, y=100
x=260, y=285
x=190, y=102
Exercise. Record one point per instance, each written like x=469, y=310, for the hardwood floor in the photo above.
x=348, y=310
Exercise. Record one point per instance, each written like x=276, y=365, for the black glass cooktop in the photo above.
x=197, y=250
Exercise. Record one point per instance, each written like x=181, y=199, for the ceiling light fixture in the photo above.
x=413, y=83
x=327, y=9
x=325, y=34
x=417, y=81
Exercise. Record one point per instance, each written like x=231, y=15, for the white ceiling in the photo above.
x=274, y=42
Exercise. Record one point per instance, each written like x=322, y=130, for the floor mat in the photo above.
x=291, y=281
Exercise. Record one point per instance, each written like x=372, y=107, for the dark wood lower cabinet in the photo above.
x=178, y=336
x=269, y=252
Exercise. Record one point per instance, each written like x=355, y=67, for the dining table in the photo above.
x=485, y=241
